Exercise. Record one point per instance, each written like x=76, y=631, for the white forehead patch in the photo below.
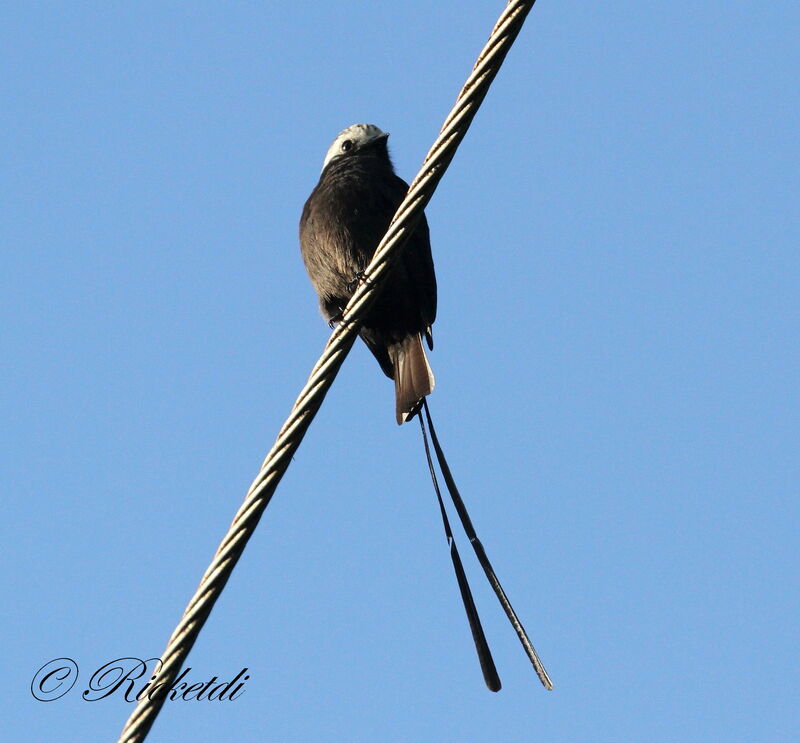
x=358, y=134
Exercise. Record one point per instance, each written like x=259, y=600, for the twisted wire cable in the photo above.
x=324, y=372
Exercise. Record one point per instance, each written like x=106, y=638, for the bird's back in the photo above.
x=343, y=221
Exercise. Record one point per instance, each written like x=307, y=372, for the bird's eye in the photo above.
x=347, y=145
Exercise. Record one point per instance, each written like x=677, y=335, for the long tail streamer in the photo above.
x=484, y=654
x=469, y=529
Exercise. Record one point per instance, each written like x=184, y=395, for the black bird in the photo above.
x=343, y=221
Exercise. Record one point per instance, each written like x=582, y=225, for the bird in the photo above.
x=343, y=220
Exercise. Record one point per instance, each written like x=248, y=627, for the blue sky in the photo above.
x=616, y=245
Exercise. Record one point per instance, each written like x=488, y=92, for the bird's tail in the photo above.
x=413, y=378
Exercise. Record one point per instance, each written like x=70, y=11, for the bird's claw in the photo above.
x=334, y=320
x=357, y=279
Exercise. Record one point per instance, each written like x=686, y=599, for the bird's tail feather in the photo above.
x=413, y=378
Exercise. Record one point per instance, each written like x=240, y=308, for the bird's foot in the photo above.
x=336, y=318
x=357, y=279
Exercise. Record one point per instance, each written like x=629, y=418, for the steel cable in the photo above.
x=324, y=372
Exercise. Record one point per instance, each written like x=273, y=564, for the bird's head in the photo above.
x=353, y=140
